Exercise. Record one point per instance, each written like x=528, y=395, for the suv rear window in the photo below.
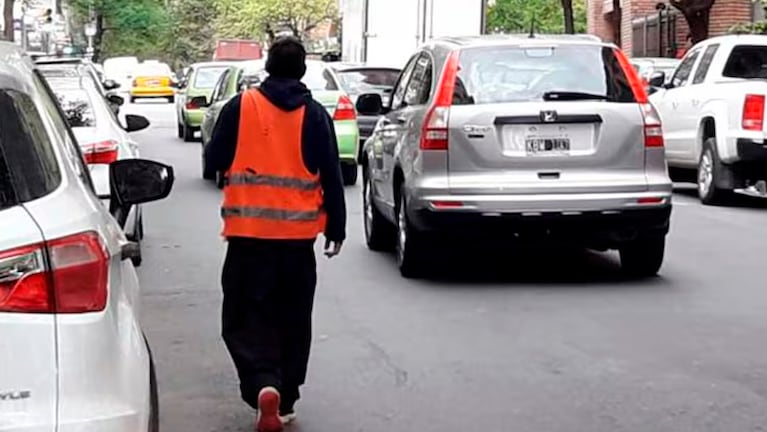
x=28, y=167
x=747, y=61
x=490, y=75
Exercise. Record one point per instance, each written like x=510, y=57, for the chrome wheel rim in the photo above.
x=401, y=231
x=368, y=204
x=705, y=174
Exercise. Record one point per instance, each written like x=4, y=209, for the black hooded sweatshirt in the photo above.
x=319, y=145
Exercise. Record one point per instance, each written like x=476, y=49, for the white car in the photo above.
x=102, y=139
x=73, y=356
x=713, y=113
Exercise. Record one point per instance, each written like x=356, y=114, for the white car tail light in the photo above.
x=102, y=152
x=74, y=280
x=435, y=134
x=753, y=112
x=653, y=130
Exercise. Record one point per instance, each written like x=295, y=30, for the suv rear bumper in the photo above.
x=597, y=220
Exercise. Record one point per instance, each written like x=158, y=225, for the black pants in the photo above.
x=267, y=315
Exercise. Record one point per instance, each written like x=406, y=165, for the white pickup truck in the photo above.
x=713, y=113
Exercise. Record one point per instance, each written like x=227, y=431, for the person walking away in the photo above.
x=283, y=188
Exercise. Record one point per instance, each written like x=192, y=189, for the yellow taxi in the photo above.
x=153, y=80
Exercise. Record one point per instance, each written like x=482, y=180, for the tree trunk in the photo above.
x=8, y=20
x=617, y=22
x=567, y=9
x=697, y=14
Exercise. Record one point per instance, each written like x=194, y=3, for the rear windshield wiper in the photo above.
x=571, y=96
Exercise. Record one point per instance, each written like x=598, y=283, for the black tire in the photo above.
x=379, y=233
x=207, y=174
x=220, y=180
x=140, y=228
x=349, y=173
x=154, y=396
x=188, y=133
x=171, y=99
x=709, y=171
x=132, y=99
x=180, y=130
x=411, y=245
x=643, y=257
x=139, y=258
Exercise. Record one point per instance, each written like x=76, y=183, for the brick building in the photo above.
x=639, y=24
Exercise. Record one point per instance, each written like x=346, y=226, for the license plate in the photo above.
x=547, y=145
x=153, y=83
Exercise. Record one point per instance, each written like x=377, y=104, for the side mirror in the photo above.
x=370, y=104
x=198, y=102
x=116, y=100
x=111, y=84
x=658, y=79
x=135, y=123
x=137, y=181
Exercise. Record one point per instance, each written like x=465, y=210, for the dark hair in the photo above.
x=287, y=58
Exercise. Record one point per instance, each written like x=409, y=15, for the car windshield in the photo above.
x=77, y=107
x=207, y=77
x=359, y=81
x=747, y=61
x=319, y=79
x=515, y=74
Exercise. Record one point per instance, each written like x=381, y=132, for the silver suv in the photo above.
x=517, y=136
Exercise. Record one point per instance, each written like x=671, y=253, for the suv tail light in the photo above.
x=653, y=130
x=345, y=109
x=74, y=280
x=753, y=112
x=435, y=134
x=103, y=152
x=192, y=105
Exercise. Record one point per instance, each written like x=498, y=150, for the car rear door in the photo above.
x=544, y=119
x=28, y=370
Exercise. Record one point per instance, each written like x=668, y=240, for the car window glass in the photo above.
x=747, y=61
x=222, y=80
x=398, y=96
x=682, y=74
x=705, y=63
x=319, y=79
x=207, y=77
x=359, y=81
x=419, y=88
x=77, y=107
x=29, y=162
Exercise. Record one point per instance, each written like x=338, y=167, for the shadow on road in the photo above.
x=737, y=201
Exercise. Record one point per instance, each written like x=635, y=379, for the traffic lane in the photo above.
x=526, y=348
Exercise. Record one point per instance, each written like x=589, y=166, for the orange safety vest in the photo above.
x=270, y=194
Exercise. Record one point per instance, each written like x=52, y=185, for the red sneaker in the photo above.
x=269, y=411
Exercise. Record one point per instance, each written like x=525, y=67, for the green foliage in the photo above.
x=515, y=16
x=192, y=34
x=759, y=27
x=258, y=19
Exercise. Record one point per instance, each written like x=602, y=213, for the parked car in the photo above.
x=153, y=80
x=77, y=69
x=235, y=79
x=120, y=70
x=199, y=80
x=359, y=79
x=72, y=351
x=713, y=110
x=646, y=67
x=102, y=140
x=575, y=152
x=325, y=88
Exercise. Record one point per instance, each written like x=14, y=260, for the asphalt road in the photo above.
x=543, y=341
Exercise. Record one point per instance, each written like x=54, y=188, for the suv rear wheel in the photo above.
x=411, y=244
x=709, y=169
x=379, y=233
x=643, y=257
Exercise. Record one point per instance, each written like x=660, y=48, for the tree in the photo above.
x=255, y=18
x=567, y=9
x=516, y=16
x=697, y=14
x=8, y=20
x=193, y=30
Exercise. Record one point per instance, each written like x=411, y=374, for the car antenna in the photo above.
x=532, y=27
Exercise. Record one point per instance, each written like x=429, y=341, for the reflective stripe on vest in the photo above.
x=277, y=181
x=269, y=213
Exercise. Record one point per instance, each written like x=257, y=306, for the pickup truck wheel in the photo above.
x=379, y=233
x=709, y=169
x=412, y=247
x=643, y=257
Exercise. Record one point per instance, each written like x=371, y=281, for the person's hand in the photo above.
x=333, y=248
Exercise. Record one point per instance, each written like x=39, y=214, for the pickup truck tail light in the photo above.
x=653, y=130
x=435, y=133
x=345, y=109
x=102, y=152
x=66, y=275
x=753, y=112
